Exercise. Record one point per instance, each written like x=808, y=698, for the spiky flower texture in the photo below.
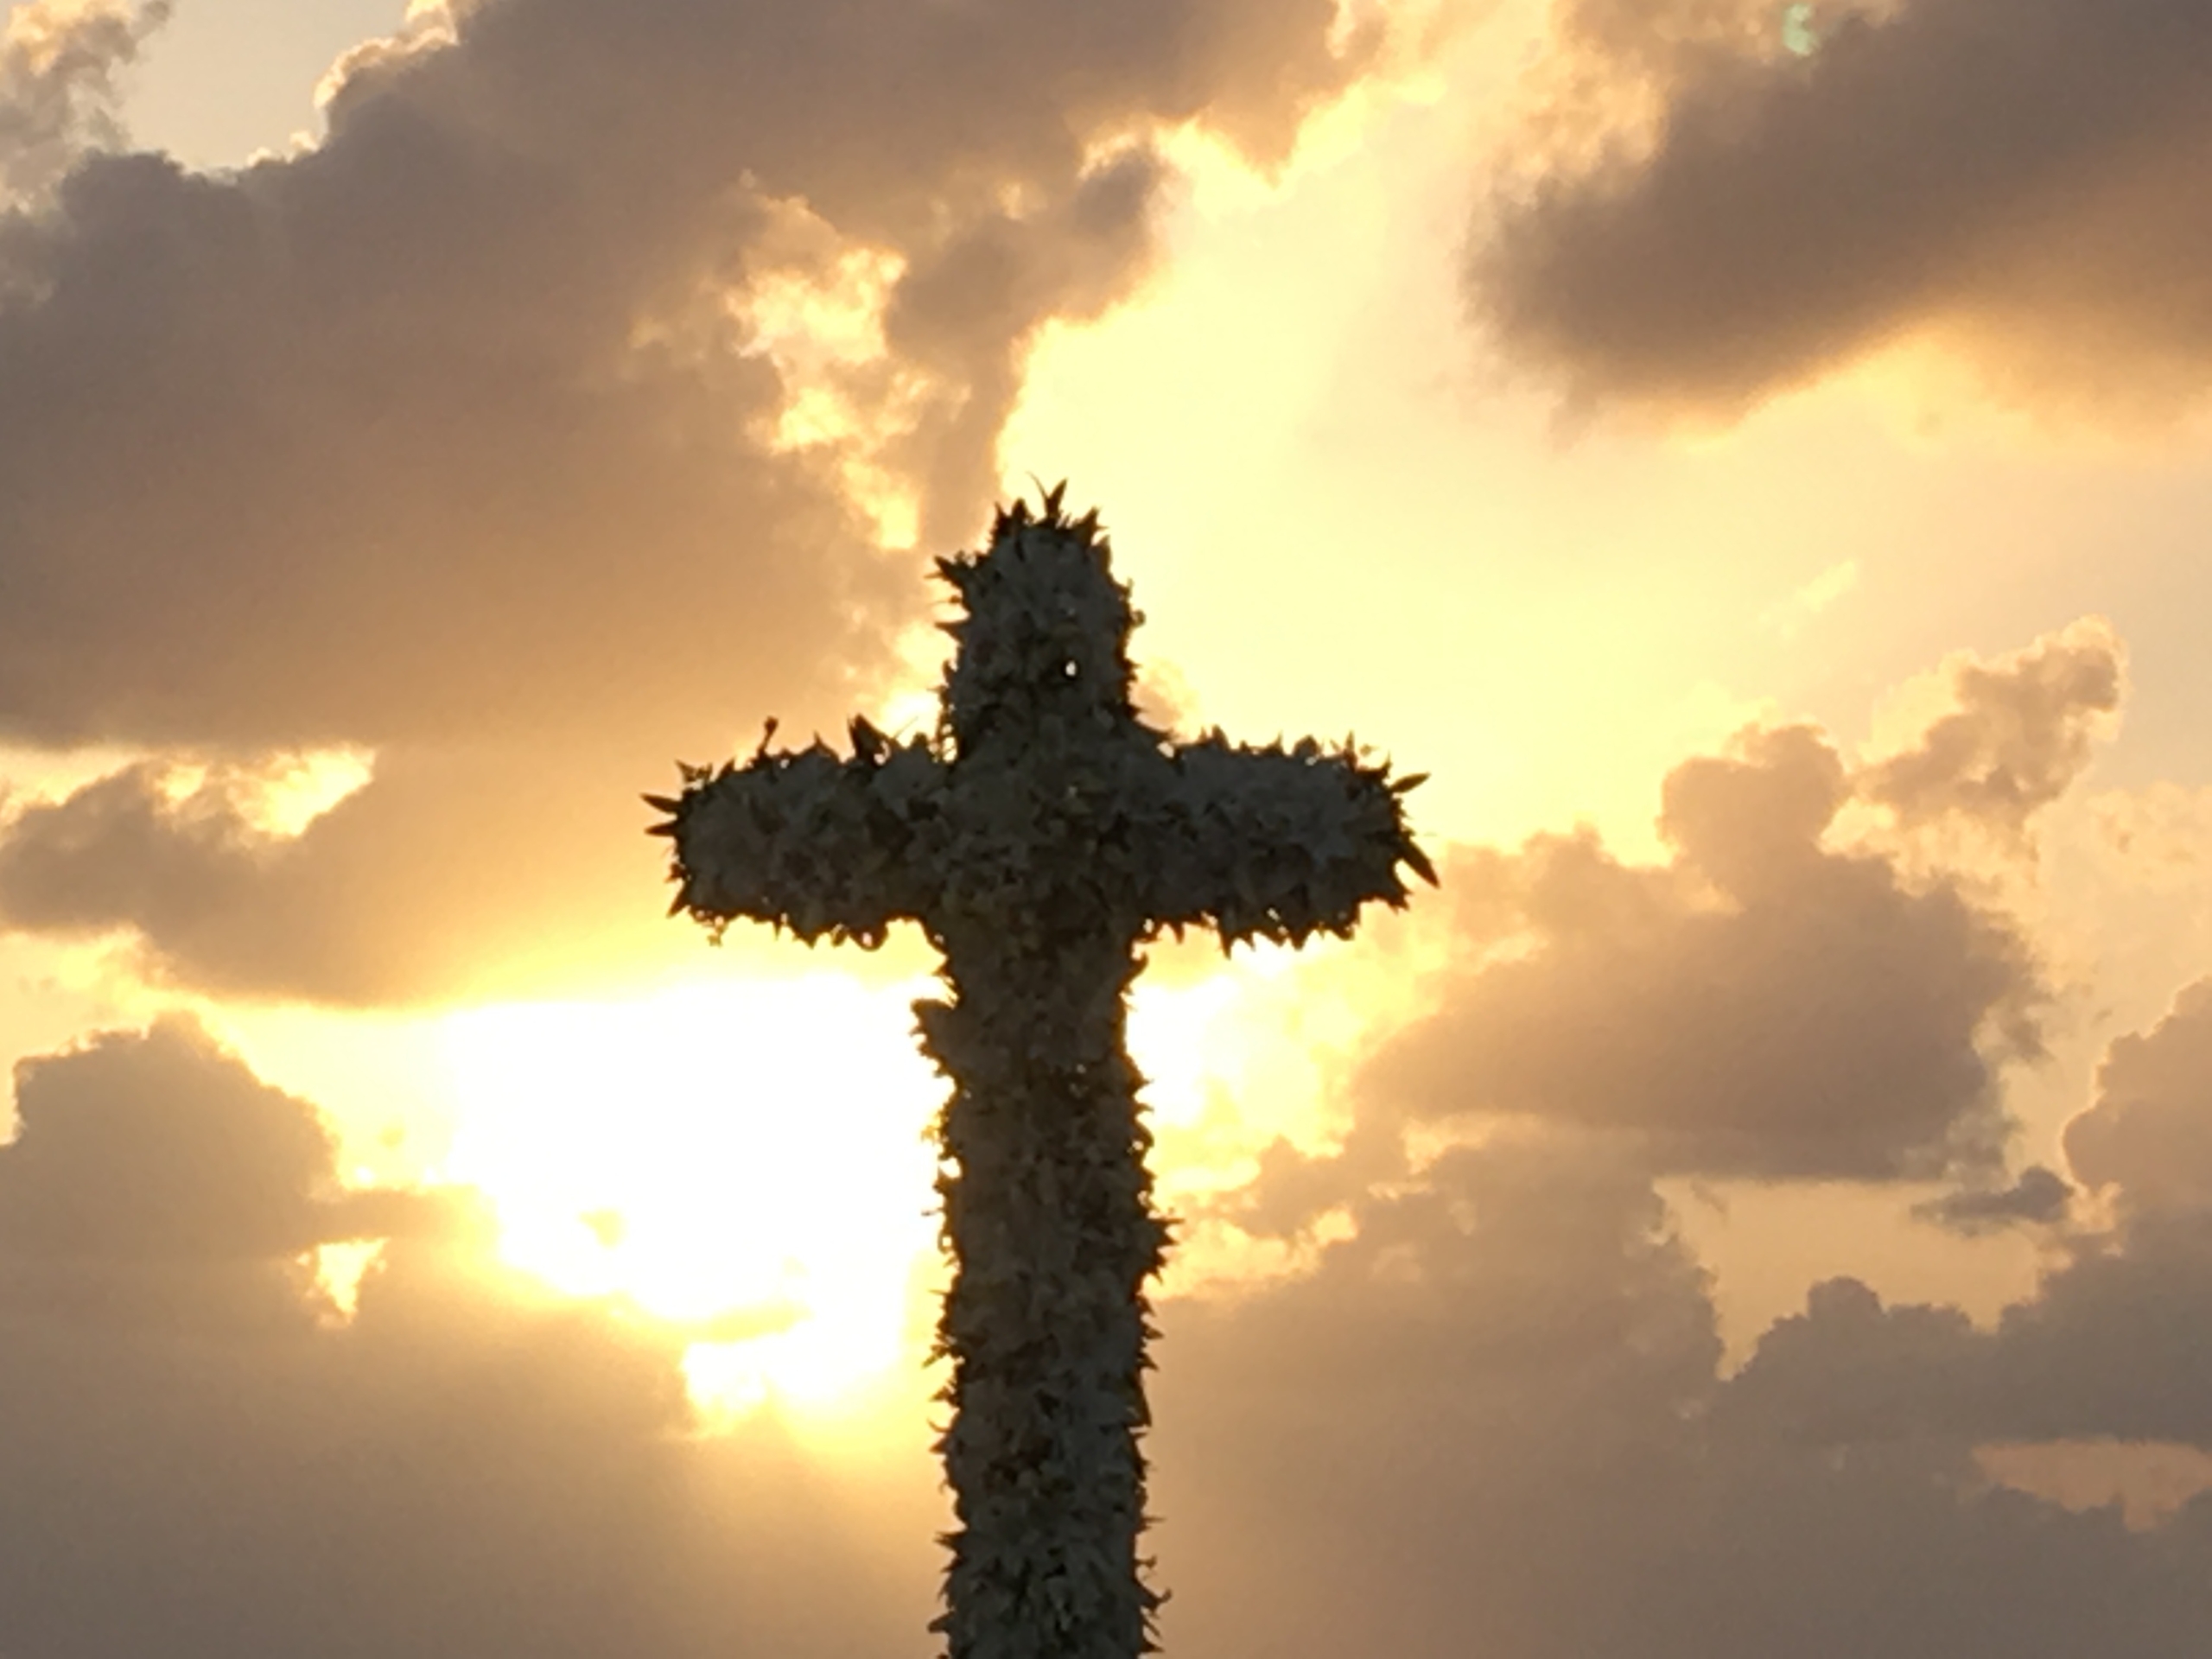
x=1040, y=837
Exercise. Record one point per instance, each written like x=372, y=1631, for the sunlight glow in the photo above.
x=745, y=1160
x=294, y=791
x=748, y=1159
x=339, y=1269
x=276, y=795
x=820, y=323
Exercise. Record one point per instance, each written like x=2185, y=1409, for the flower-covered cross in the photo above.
x=1039, y=838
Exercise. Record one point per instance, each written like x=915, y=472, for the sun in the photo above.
x=750, y=1160
x=747, y=1160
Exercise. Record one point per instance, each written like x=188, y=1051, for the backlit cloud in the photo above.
x=2023, y=178
x=1762, y=1006
x=160, y=1146
x=2148, y=1134
x=481, y=434
x=1770, y=1002
x=451, y=867
x=2019, y=737
x=57, y=64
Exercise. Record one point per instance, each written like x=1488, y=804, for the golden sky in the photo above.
x=1752, y=457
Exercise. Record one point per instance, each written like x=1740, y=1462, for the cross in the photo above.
x=1040, y=837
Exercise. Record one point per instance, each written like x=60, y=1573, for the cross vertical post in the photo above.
x=1040, y=837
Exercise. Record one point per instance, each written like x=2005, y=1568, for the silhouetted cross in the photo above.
x=1039, y=838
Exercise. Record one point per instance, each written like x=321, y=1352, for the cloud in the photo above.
x=1789, y=618
x=153, y=1179
x=1850, y=1371
x=160, y=1145
x=443, y=877
x=2110, y=1347
x=1493, y=1419
x=2040, y=1196
x=460, y=422
x=2112, y=1344
x=1762, y=1006
x=57, y=64
x=2018, y=738
x=2148, y=1133
x=2019, y=177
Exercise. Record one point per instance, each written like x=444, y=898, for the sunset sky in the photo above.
x=1754, y=457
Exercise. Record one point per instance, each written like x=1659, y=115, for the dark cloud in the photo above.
x=457, y=436
x=2117, y=1344
x=461, y=504
x=160, y=1146
x=1494, y=1421
x=2025, y=175
x=152, y=1178
x=1850, y=1371
x=2148, y=1134
x=2019, y=739
x=2112, y=1346
x=445, y=426
x=2040, y=1197
x=1516, y=1335
x=1762, y=1006
x=1005, y=276
x=454, y=872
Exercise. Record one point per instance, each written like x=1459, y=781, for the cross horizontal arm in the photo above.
x=1275, y=844
x=809, y=839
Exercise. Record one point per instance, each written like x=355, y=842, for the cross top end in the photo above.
x=1046, y=629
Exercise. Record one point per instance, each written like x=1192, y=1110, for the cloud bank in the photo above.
x=1494, y=1417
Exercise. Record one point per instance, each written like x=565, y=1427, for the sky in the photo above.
x=1752, y=457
